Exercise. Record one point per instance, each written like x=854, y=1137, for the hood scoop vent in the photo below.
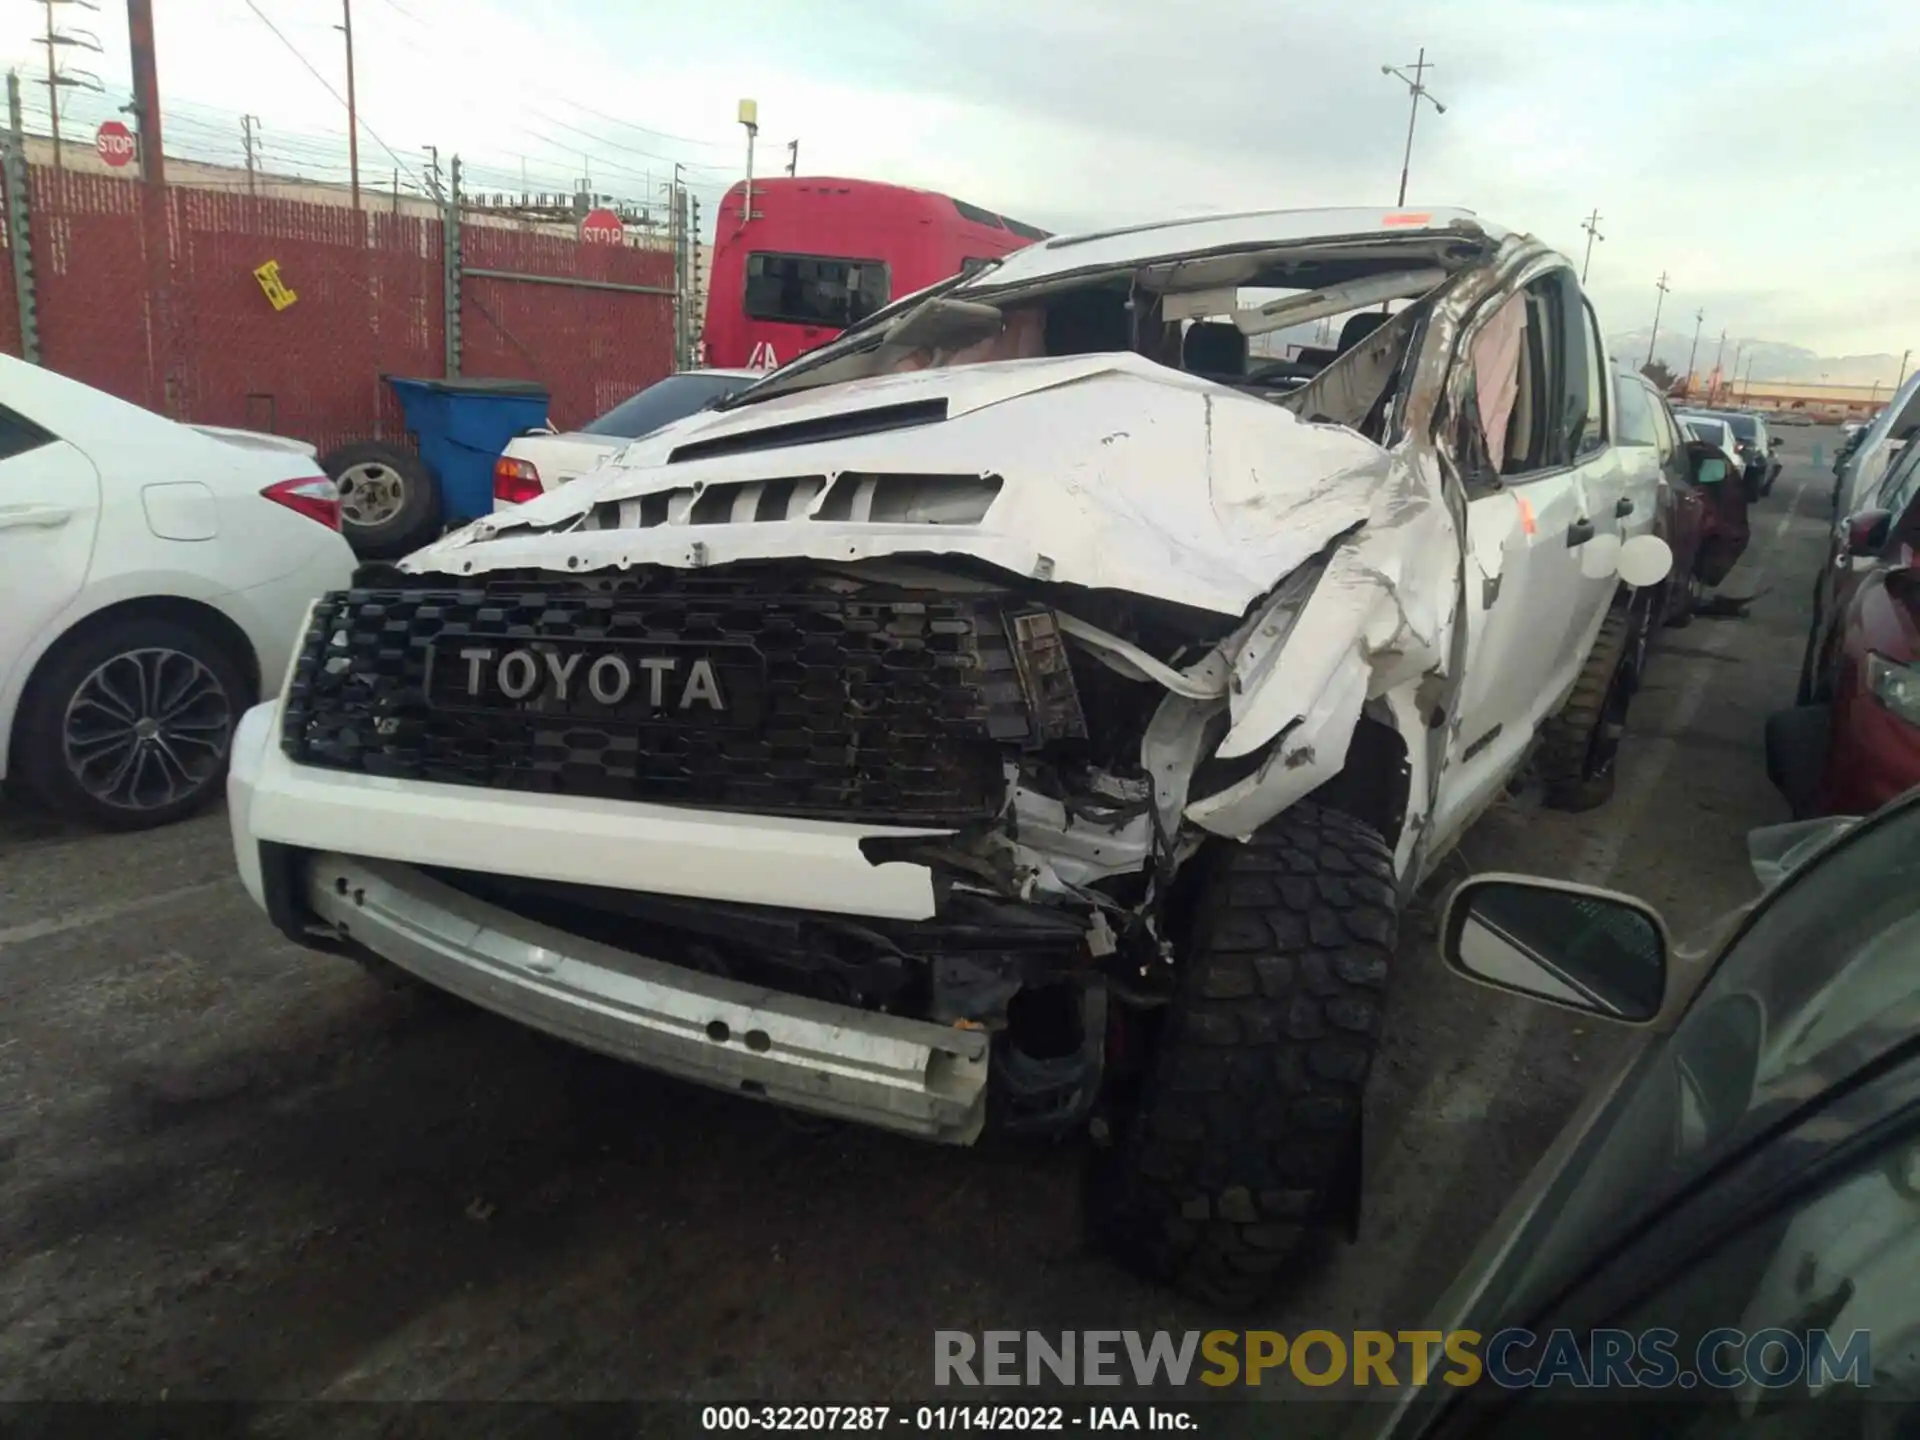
x=845, y=426
x=853, y=497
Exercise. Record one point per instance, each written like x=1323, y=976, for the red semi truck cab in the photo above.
x=818, y=254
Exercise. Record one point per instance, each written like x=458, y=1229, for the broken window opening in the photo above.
x=1178, y=315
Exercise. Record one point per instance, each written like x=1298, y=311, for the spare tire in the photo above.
x=389, y=505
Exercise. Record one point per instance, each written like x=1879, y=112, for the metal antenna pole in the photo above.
x=1417, y=90
x=1659, y=285
x=1592, y=226
x=750, y=118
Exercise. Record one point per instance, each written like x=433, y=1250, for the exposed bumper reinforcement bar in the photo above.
x=905, y=1075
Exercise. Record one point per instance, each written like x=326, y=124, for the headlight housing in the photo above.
x=1895, y=686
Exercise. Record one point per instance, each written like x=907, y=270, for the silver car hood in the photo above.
x=1106, y=471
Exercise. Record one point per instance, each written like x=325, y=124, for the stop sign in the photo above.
x=114, y=142
x=602, y=227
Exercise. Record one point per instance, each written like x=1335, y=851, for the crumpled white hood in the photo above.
x=1116, y=473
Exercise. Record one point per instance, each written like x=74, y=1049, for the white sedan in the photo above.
x=156, y=577
x=541, y=460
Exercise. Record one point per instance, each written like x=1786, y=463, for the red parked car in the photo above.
x=1853, y=743
x=1701, y=516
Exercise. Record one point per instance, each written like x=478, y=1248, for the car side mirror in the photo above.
x=1582, y=949
x=1709, y=470
x=1868, y=531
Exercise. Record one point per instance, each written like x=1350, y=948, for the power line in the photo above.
x=728, y=145
x=295, y=52
x=621, y=149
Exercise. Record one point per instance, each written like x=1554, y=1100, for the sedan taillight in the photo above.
x=515, y=481
x=312, y=495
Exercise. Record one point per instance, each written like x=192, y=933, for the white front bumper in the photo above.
x=624, y=845
x=365, y=837
x=906, y=1075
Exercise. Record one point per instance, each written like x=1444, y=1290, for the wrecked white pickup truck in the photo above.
x=1030, y=711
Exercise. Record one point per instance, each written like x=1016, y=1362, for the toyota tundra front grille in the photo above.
x=752, y=691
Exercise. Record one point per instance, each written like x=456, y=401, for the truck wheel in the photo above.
x=130, y=726
x=1578, y=747
x=389, y=505
x=1246, y=1130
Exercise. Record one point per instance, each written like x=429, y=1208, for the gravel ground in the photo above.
x=232, y=1169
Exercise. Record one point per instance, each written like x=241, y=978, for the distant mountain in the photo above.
x=1771, y=360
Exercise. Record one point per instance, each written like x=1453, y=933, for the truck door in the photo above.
x=1526, y=523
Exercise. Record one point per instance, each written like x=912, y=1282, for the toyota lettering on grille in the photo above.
x=609, y=679
x=589, y=680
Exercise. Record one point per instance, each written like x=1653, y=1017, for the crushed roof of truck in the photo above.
x=1209, y=234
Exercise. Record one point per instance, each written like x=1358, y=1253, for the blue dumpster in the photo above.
x=393, y=501
x=462, y=426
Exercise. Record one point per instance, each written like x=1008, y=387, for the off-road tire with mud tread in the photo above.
x=1246, y=1131
x=1566, y=739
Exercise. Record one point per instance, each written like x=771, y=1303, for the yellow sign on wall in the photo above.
x=278, y=295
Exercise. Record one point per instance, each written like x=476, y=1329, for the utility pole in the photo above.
x=163, y=342
x=750, y=118
x=1719, y=355
x=793, y=158
x=1659, y=286
x=1699, y=319
x=1592, y=226
x=53, y=39
x=53, y=86
x=1417, y=88
x=247, y=122
x=146, y=93
x=353, y=111
x=433, y=168
x=1905, y=356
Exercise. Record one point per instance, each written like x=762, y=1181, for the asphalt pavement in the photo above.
x=233, y=1169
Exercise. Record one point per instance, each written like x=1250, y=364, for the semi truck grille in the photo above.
x=750, y=692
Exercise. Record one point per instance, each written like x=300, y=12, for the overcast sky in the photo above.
x=1760, y=160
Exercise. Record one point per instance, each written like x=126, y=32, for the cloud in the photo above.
x=1756, y=163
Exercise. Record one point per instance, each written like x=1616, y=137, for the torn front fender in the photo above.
x=1308, y=755
x=1384, y=597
